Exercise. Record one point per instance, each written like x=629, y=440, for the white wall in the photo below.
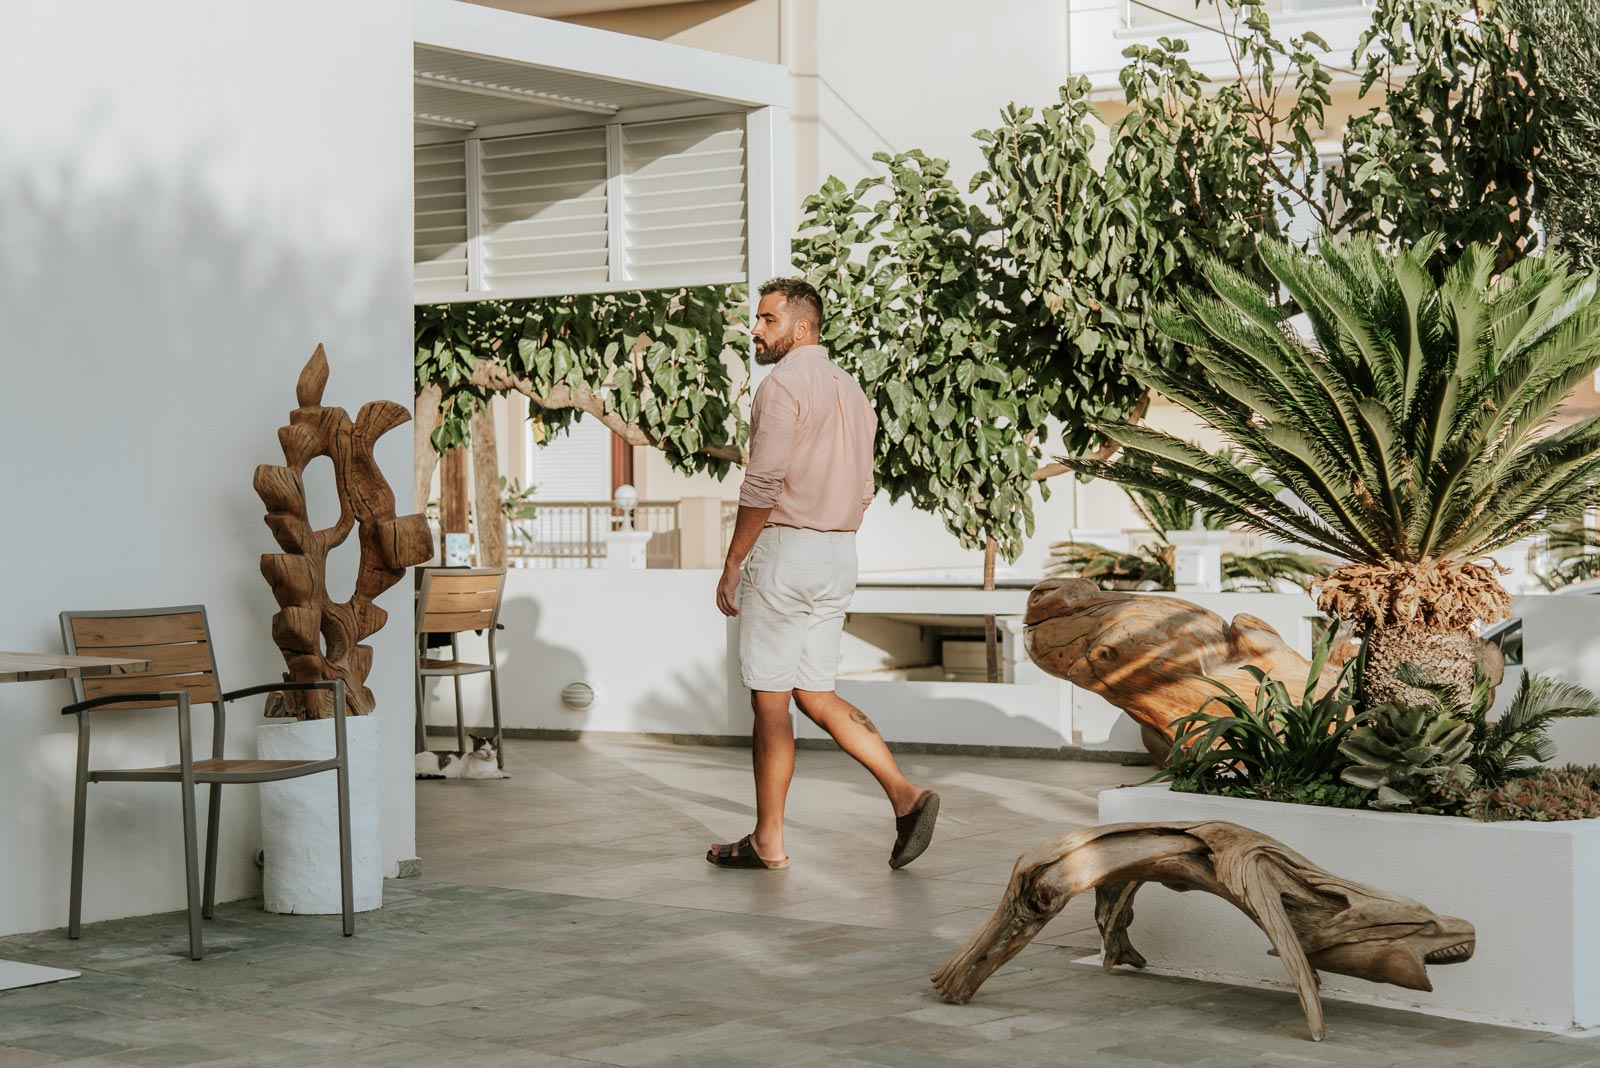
x=651, y=642
x=212, y=190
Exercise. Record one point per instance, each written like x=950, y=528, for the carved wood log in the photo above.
x=1143, y=652
x=1312, y=918
x=321, y=639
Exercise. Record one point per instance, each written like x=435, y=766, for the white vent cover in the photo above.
x=578, y=696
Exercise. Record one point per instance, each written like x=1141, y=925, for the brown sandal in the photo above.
x=742, y=854
x=914, y=830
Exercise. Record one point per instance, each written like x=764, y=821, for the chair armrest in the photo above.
x=177, y=697
x=280, y=687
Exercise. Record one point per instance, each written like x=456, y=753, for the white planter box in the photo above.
x=300, y=819
x=1532, y=890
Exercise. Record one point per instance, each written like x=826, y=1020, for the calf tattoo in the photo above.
x=861, y=717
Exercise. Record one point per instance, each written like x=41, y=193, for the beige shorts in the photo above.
x=795, y=588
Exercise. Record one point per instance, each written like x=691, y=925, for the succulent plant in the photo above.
x=1409, y=755
x=1570, y=793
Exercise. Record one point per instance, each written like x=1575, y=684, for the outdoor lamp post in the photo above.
x=625, y=546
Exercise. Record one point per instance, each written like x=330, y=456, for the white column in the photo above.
x=767, y=206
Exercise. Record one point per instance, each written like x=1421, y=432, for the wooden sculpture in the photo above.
x=1313, y=919
x=321, y=639
x=1143, y=652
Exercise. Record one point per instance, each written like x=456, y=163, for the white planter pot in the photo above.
x=300, y=818
x=1530, y=889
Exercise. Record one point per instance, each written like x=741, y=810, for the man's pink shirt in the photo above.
x=811, y=444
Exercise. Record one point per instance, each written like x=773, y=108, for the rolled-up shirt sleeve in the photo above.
x=773, y=417
x=868, y=492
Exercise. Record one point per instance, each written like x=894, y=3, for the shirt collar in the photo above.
x=803, y=351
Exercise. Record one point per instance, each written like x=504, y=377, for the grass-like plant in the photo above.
x=1274, y=746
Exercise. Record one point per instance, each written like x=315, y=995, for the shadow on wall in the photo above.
x=153, y=336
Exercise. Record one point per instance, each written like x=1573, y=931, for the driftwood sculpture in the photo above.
x=1314, y=920
x=321, y=639
x=1143, y=652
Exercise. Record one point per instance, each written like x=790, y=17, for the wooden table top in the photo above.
x=37, y=667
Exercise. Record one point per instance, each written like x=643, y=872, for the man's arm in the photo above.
x=773, y=417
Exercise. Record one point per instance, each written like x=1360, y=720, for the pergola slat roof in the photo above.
x=557, y=159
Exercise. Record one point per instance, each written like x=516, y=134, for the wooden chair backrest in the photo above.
x=456, y=599
x=176, y=641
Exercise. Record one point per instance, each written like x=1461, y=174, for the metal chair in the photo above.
x=452, y=600
x=183, y=670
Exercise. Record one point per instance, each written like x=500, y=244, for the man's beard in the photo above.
x=773, y=351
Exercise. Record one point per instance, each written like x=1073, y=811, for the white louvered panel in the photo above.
x=684, y=199
x=439, y=247
x=544, y=210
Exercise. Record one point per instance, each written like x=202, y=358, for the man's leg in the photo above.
x=856, y=735
x=772, y=753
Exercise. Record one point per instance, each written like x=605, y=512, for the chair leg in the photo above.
x=191, y=859
x=213, y=829
x=422, y=733
x=346, y=884
x=494, y=703
x=80, y=803
x=461, y=728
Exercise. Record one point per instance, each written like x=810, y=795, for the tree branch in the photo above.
x=496, y=378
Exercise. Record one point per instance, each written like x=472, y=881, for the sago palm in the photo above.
x=1411, y=430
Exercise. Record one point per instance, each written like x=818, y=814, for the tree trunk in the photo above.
x=486, y=490
x=424, y=459
x=453, y=492
x=1444, y=658
x=991, y=639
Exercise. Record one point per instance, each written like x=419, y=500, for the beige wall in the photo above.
x=747, y=28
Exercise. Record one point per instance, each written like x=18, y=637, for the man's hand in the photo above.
x=728, y=591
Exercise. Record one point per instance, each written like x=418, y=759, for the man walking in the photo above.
x=807, y=486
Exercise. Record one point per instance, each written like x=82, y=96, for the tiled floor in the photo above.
x=566, y=918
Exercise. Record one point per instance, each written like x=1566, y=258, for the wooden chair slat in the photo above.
x=92, y=633
x=202, y=689
x=165, y=659
x=459, y=584
x=455, y=622
x=461, y=602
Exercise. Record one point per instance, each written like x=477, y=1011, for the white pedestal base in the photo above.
x=300, y=819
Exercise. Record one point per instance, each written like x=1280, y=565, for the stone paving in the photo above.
x=565, y=918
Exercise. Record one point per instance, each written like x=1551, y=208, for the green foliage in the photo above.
x=1449, y=145
x=1508, y=747
x=1569, y=793
x=1572, y=552
x=1146, y=568
x=1150, y=567
x=922, y=309
x=516, y=505
x=1273, y=746
x=1410, y=756
x=1561, y=34
x=1323, y=793
x=1412, y=425
x=653, y=358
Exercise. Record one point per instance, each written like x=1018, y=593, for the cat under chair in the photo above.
x=482, y=761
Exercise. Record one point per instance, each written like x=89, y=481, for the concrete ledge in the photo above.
x=1529, y=889
x=742, y=741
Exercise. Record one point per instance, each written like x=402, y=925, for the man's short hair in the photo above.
x=799, y=295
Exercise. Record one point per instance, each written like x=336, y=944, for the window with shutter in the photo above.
x=544, y=212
